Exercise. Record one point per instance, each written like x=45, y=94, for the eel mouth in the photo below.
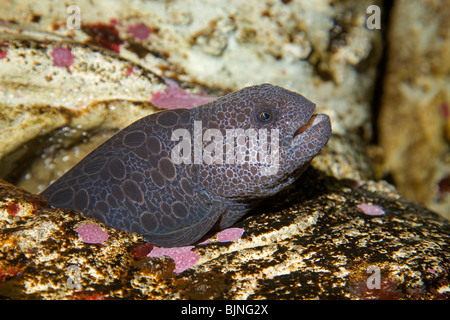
x=306, y=126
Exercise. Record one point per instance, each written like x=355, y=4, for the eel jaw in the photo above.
x=320, y=123
x=305, y=127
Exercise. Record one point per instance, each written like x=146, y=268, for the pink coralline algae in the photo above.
x=3, y=50
x=62, y=57
x=183, y=257
x=174, y=97
x=230, y=234
x=370, y=209
x=129, y=71
x=91, y=233
x=115, y=22
x=9, y=272
x=227, y=235
x=12, y=208
x=140, y=31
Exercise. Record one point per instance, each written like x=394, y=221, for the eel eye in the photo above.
x=264, y=116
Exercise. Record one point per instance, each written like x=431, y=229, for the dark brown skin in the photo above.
x=133, y=181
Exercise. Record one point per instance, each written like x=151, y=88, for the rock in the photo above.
x=308, y=242
x=414, y=122
x=41, y=251
x=46, y=105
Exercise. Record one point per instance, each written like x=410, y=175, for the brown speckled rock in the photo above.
x=41, y=252
x=309, y=242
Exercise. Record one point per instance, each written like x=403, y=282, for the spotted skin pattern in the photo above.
x=132, y=183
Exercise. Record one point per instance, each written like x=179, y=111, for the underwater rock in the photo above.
x=414, y=122
x=311, y=241
x=53, y=93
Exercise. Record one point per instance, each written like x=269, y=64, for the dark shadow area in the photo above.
x=381, y=70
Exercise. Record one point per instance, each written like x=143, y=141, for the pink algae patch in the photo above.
x=12, y=208
x=227, y=235
x=174, y=97
x=92, y=233
x=3, y=50
x=370, y=209
x=115, y=22
x=140, y=31
x=62, y=57
x=183, y=257
x=129, y=71
x=230, y=234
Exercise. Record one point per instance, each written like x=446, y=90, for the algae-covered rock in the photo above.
x=316, y=240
